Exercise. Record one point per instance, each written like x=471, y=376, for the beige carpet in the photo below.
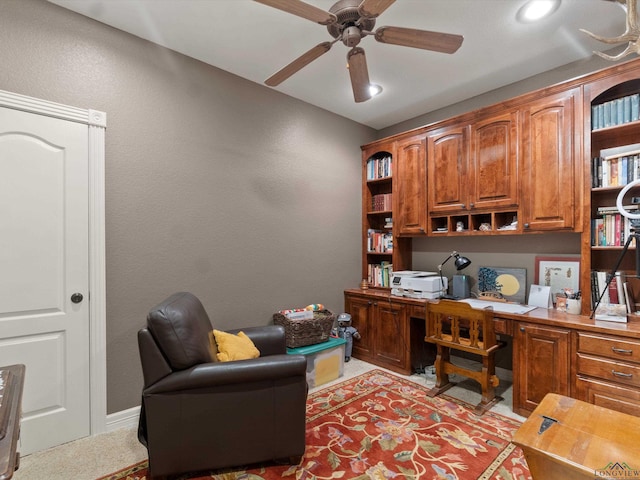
x=92, y=457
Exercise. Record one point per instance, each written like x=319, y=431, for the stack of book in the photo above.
x=615, y=112
x=379, y=241
x=379, y=167
x=615, y=167
x=382, y=202
x=617, y=300
x=610, y=228
x=379, y=275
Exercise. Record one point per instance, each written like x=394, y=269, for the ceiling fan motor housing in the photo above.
x=349, y=24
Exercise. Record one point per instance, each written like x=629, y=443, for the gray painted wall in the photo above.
x=216, y=185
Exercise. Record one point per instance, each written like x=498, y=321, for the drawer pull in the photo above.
x=622, y=351
x=621, y=374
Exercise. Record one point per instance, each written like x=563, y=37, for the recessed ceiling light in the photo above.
x=535, y=10
x=374, y=89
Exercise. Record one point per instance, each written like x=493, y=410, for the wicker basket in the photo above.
x=306, y=331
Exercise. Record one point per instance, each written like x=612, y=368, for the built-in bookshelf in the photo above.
x=615, y=162
x=378, y=217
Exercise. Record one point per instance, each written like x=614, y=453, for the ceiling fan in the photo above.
x=350, y=21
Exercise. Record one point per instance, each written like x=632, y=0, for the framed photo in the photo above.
x=511, y=283
x=558, y=273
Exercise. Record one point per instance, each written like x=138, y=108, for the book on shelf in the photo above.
x=379, y=274
x=382, y=202
x=379, y=241
x=379, y=167
x=616, y=166
x=615, y=112
x=610, y=228
x=614, y=298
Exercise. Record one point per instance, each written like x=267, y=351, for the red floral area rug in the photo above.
x=381, y=426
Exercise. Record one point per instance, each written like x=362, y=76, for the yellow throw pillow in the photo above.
x=234, y=347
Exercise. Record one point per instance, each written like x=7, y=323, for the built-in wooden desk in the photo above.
x=553, y=352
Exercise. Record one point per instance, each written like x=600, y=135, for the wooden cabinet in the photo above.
x=473, y=175
x=540, y=364
x=448, y=169
x=551, y=163
x=392, y=330
x=383, y=327
x=494, y=162
x=410, y=185
x=608, y=371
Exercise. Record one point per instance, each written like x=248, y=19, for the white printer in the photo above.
x=415, y=284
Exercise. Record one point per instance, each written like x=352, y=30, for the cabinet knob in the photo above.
x=522, y=329
x=526, y=225
x=463, y=206
x=471, y=205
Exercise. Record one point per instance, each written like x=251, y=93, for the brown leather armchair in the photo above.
x=202, y=415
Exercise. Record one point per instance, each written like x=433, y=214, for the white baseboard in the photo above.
x=123, y=419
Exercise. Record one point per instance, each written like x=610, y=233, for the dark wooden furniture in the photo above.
x=574, y=440
x=392, y=330
x=527, y=158
x=553, y=352
x=10, y=416
x=457, y=326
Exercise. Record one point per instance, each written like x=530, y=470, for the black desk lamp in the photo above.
x=460, y=263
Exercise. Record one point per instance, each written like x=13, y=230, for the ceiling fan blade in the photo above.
x=359, y=74
x=409, y=37
x=373, y=8
x=301, y=9
x=300, y=62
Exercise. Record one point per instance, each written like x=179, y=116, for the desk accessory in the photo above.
x=461, y=263
x=540, y=296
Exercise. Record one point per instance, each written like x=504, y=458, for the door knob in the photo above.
x=76, y=297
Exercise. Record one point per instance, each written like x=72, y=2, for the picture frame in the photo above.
x=511, y=283
x=559, y=273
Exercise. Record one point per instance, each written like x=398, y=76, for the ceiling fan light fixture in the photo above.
x=535, y=10
x=375, y=89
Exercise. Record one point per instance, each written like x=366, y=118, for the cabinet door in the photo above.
x=541, y=365
x=447, y=167
x=410, y=187
x=392, y=349
x=361, y=310
x=494, y=162
x=551, y=163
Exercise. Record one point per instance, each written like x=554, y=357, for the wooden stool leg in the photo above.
x=488, y=381
x=442, y=378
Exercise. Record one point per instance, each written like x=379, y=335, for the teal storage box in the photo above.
x=325, y=361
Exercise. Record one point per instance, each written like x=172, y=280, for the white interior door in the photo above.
x=44, y=272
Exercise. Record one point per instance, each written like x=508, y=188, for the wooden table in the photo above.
x=11, y=387
x=569, y=439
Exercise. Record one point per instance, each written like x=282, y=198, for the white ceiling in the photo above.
x=253, y=41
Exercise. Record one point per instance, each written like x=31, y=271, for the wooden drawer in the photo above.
x=616, y=348
x=501, y=326
x=607, y=395
x=609, y=370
